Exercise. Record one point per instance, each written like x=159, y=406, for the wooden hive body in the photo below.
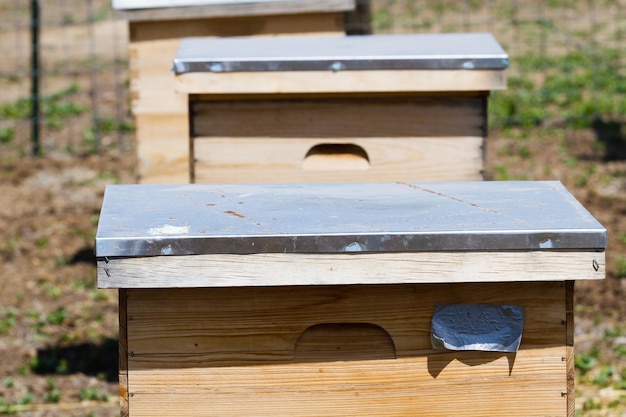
x=161, y=115
x=339, y=109
x=317, y=300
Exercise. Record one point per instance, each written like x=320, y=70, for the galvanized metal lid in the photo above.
x=152, y=220
x=152, y=4
x=463, y=51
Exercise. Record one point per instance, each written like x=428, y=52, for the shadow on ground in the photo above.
x=611, y=134
x=99, y=360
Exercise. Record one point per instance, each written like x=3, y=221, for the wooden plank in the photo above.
x=365, y=388
x=271, y=269
x=570, y=393
x=137, y=10
x=123, y=352
x=182, y=327
x=200, y=351
x=270, y=160
x=373, y=117
x=426, y=138
x=162, y=148
x=300, y=24
x=382, y=81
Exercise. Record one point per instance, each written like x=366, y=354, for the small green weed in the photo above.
x=591, y=404
x=7, y=135
x=586, y=361
x=7, y=407
x=55, y=108
x=85, y=283
x=57, y=317
x=42, y=242
x=89, y=234
x=93, y=394
x=8, y=319
x=27, y=398
x=502, y=173
x=52, y=394
x=52, y=290
x=604, y=376
x=582, y=180
x=620, y=262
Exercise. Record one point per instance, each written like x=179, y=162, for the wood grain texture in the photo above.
x=334, y=269
x=270, y=160
x=162, y=153
x=381, y=81
x=400, y=387
x=195, y=9
x=427, y=138
x=217, y=351
x=276, y=25
x=360, y=117
x=570, y=352
x=123, y=353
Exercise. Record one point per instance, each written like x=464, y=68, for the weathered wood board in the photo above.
x=268, y=351
x=311, y=82
x=224, y=270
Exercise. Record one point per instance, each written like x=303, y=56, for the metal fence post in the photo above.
x=35, y=122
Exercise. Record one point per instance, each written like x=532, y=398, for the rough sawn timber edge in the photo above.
x=273, y=269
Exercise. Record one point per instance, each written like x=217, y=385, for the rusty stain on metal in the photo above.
x=235, y=214
x=426, y=190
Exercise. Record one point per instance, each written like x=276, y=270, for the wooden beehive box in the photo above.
x=156, y=27
x=317, y=299
x=354, y=108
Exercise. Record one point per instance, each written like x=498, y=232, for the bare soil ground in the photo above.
x=58, y=347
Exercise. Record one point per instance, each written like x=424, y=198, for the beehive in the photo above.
x=317, y=299
x=354, y=108
x=156, y=27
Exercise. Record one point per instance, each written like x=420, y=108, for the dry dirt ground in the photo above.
x=58, y=353
x=58, y=348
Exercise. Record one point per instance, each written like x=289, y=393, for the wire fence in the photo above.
x=567, y=66
x=566, y=57
x=82, y=74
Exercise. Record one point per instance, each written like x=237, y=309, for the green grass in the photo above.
x=621, y=266
x=93, y=394
x=8, y=318
x=576, y=87
x=55, y=108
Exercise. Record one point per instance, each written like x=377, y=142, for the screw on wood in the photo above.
x=595, y=265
